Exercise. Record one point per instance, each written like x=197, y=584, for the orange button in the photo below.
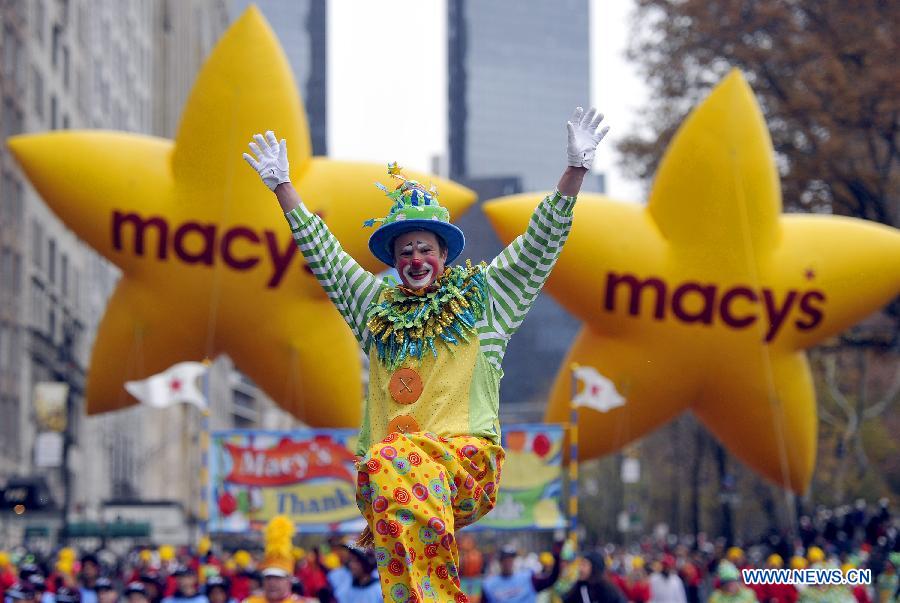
x=403, y=424
x=405, y=386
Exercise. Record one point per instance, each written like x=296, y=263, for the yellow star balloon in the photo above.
x=705, y=298
x=208, y=263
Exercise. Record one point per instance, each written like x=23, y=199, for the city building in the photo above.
x=66, y=65
x=124, y=65
x=516, y=71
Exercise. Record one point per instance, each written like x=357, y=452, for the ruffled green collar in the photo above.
x=406, y=322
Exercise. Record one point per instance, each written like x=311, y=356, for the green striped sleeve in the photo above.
x=349, y=286
x=515, y=277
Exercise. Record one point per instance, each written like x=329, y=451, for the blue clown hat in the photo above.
x=414, y=208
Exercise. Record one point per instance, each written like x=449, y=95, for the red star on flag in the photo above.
x=180, y=383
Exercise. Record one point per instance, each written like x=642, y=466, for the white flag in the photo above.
x=179, y=383
x=598, y=392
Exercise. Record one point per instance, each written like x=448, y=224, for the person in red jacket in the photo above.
x=860, y=591
x=775, y=593
x=637, y=584
x=311, y=574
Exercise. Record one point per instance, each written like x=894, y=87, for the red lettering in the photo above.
x=725, y=307
x=243, y=232
x=814, y=314
x=207, y=232
x=635, y=287
x=162, y=227
x=708, y=294
x=280, y=262
x=187, y=251
x=777, y=315
x=809, y=304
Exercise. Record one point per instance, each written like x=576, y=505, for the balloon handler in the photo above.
x=429, y=444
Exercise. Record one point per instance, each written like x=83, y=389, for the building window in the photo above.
x=37, y=244
x=65, y=122
x=39, y=18
x=17, y=274
x=11, y=118
x=11, y=51
x=51, y=321
x=51, y=261
x=57, y=35
x=54, y=112
x=38, y=306
x=76, y=292
x=64, y=273
x=83, y=23
x=65, y=62
x=5, y=266
x=15, y=350
x=18, y=203
x=4, y=348
x=9, y=433
x=38, y=88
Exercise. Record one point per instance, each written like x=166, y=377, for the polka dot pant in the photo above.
x=415, y=490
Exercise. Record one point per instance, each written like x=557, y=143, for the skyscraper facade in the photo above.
x=517, y=69
x=73, y=64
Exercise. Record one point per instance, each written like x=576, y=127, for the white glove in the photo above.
x=584, y=137
x=271, y=159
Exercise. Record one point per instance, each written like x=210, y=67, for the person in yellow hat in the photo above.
x=735, y=555
x=798, y=562
x=815, y=555
x=277, y=567
x=429, y=443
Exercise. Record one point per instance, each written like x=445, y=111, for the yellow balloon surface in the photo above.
x=705, y=298
x=208, y=262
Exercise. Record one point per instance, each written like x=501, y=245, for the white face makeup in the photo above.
x=416, y=274
x=419, y=260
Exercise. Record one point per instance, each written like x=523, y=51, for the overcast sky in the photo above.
x=397, y=53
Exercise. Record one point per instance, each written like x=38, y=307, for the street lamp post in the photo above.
x=65, y=372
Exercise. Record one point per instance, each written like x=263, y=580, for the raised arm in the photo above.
x=349, y=286
x=517, y=274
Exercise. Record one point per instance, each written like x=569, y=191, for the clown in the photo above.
x=429, y=445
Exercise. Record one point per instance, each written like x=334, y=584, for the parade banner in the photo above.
x=308, y=475
x=531, y=485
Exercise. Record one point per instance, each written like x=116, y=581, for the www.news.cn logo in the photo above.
x=808, y=577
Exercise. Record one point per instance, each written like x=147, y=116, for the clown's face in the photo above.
x=418, y=258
